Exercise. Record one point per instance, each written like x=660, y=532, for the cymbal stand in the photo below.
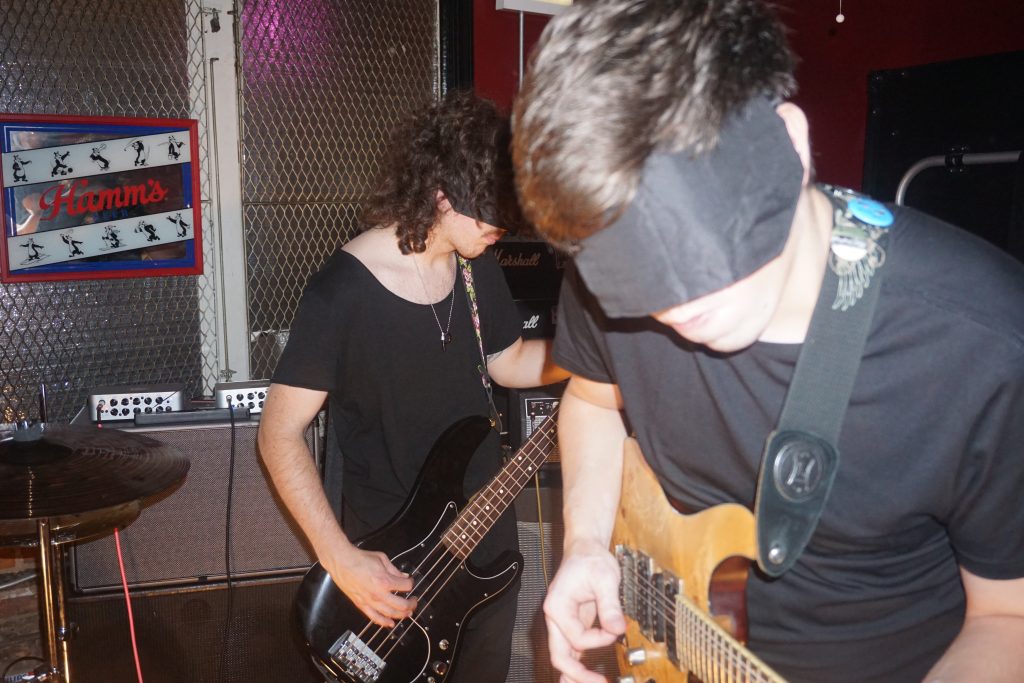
x=51, y=575
x=56, y=669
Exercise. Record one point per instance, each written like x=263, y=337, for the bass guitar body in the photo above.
x=349, y=648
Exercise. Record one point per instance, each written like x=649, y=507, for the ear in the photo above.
x=443, y=205
x=796, y=124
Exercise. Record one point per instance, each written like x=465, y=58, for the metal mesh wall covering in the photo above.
x=105, y=58
x=323, y=82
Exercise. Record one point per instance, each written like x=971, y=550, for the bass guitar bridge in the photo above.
x=356, y=659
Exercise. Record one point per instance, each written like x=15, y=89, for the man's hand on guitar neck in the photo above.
x=582, y=609
x=372, y=583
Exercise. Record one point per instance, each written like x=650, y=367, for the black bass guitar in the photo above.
x=430, y=540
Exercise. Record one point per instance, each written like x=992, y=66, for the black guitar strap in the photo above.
x=801, y=456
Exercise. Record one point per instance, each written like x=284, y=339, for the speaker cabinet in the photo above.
x=541, y=532
x=180, y=539
x=968, y=111
x=242, y=634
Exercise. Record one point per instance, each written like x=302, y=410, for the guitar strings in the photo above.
x=697, y=629
x=695, y=634
x=433, y=574
x=446, y=573
x=430, y=576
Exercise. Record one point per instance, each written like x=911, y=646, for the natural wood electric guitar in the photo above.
x=669, y=563
x=429, y=539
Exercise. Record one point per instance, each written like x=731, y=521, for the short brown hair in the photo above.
x=611, y=81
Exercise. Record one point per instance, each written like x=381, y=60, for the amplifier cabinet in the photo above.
x=541, y=533
x=528, y=409
x=533, y=269
x=179, y=538
x=218, y=634
x=539, y=316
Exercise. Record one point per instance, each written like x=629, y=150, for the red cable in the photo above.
x=128, y=604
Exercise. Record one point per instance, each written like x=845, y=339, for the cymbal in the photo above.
x=80, y=526
x=51, y=470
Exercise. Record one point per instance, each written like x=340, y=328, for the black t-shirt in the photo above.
x=393, y=390
x=931, y=470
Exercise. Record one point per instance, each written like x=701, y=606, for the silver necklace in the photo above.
x=446, y=337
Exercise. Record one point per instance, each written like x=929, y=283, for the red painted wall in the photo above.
x=835, y=59
x=496, y=49
x=880, y=34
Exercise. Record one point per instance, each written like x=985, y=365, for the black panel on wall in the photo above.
x=948, y=109
x=456, y=29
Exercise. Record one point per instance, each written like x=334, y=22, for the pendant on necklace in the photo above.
x=446, y=339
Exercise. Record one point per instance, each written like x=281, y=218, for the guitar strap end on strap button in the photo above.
x=796, y=477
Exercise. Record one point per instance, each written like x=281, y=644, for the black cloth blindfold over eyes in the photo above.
x=698, y=223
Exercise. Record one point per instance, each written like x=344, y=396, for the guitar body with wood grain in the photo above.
x=673, y=577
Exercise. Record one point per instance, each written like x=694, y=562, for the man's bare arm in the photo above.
x=367, y=578
x=990, y=646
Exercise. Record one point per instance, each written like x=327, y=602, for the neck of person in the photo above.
x=435, y=265
x=439, y=252
x=807, y=248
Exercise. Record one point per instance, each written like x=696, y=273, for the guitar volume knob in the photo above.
x=440, y=668
x=636, y=656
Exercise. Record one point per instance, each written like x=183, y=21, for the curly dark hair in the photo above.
x=459, y=145
x=611, y=81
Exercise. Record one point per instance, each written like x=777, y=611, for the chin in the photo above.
x=730, y=343
x=731, y=347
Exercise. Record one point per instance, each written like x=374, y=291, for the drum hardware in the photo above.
x=64, y=483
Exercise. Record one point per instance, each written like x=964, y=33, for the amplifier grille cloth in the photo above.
x=180, y=539
x=531, y=660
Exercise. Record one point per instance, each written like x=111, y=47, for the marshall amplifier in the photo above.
x=528, y=409
x=539, y=317
x=533, y=270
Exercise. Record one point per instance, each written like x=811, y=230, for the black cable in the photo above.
x=227, y=545
x=231, y=488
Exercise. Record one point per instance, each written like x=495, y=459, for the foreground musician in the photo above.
x=652, y=137
x=385, y=330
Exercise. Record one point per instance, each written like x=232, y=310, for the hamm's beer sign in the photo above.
x=99, y=197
